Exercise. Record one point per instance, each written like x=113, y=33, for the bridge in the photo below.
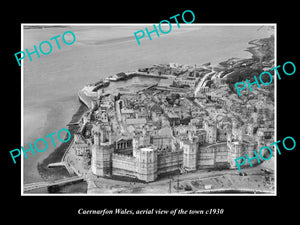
x=33, y=186
x=61, y=164
x=70, y=168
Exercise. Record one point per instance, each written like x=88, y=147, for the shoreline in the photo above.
x=58, y=153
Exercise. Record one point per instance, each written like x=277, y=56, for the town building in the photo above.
x=163, y=129
x=150, y=153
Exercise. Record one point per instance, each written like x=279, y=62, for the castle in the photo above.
x=147, y=155
x=142, y=137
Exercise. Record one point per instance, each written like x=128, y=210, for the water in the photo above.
x=52, y=81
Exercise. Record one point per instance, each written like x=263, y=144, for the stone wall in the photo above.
x=146, y=164
x=123, y=165
x=161, y=142
x=169, y=161
x=213, y=156
x=101, y=160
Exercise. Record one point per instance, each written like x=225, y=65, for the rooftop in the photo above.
x=136, y=121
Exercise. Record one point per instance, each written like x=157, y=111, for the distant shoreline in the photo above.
x=44, y=26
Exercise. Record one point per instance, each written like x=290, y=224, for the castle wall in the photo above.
x=94, y=159
x=161, y=142
x=206, y=158
x=249, y=148
x=240, y=149
x=211, y=136
x=221, y=152
x=212, y=156
x=123, y=165
x=148, y=162
x=169, y=161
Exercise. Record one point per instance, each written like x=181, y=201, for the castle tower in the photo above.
x=236, y=150
x=101, y=153
x=236, y=131
x=260, y=138
x=102, y=136
x=211, y=132
x=145, y=138
x=249, y=129
x=250, y=148
x=135, y=145
x=104, y=117
x=229, y=138
x=146, y=164
x=190, y=155
x=97, y=137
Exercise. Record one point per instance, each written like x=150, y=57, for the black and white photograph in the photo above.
x=162, y=117
x=178, y=112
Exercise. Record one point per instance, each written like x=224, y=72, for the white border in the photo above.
x=142, y=24
x=22, y=111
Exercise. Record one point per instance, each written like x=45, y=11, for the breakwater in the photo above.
x=142, y=74
x=83, y=98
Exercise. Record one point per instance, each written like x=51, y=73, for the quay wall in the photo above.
x=142, y=74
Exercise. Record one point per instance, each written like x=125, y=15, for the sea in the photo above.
x=51, y=82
